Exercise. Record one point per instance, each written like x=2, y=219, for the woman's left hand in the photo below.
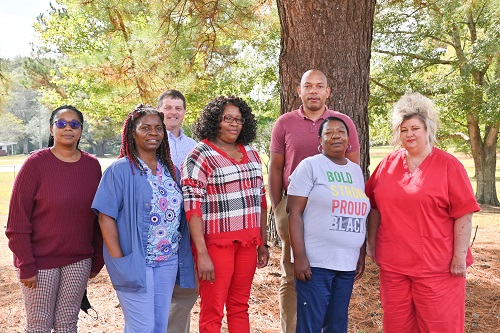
x=360, y=265
x=360, y=269
x=262, y=256
x=461, y=237
x=458, y=267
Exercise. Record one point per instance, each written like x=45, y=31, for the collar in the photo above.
x=147, y=170
x=171, y=135
x=303, y=116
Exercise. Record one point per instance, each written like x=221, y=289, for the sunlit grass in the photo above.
x=9, y=166
x=11, y=160
x=379, y=152
x=6, y=182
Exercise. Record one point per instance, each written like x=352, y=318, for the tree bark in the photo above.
x=272, y=233
x=484, y=155
x=334, y=37
x=26, y=143
x=483, y=151
x=100, y=148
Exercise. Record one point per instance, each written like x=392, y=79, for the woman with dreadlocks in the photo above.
x=51, y=228
x=139, y=205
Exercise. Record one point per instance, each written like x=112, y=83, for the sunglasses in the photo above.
x=74, y=124
x=229, y=119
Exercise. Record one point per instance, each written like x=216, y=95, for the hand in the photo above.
x=370, y=251
x=30, y=282
x=206, y=268
x=301, y=268
x=458, y=267
x=360, y=268
x=262, y=256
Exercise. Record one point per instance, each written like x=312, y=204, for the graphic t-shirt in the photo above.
x=335, y=213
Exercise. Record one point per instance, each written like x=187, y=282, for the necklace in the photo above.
x=234, y=153
x=412, y=164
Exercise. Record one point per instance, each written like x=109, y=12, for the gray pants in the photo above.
x=288, y=298
x=183, y=299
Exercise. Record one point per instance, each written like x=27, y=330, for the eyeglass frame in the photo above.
x=73, y=124
x=230, y=119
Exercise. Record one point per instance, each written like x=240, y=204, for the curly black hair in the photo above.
x=208, y=124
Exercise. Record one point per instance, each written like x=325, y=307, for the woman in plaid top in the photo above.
x=226, y=207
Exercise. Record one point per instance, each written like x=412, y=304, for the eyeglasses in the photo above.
x=74, y=124
x=229, y=119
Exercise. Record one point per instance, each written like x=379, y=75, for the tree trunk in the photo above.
x=484, y=155
x=335, y=37
x=100, y=145
x=26, y=143
x=483, y=150
x=272, y=234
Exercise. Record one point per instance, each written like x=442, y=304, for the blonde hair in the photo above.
x=414, y=105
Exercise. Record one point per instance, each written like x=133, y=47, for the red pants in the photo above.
x=422, y=304
x=234, y=270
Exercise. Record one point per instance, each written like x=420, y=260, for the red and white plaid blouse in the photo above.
x=227, y=194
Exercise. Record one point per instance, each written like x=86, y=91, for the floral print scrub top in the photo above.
x=165, y=213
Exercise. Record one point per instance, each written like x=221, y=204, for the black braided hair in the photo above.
x=55, y=112
x=128, y=148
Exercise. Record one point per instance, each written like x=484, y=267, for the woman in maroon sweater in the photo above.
x=51, y=228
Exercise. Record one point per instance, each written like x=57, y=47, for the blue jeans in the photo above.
x=323, y=302
x=148, y=312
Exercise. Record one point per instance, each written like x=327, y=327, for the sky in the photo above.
x=16, y=25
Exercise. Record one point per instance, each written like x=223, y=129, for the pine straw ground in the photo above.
x=482, y=308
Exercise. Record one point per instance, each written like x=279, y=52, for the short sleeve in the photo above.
x=194, y=182
x=109, y=196
x=301, y=180
x=278, y=138
x=460, y=192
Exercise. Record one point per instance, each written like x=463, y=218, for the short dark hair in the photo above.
x=171, y=93
x=128, y=148
x=320, y=131
x=55, y=112
x=208, y=124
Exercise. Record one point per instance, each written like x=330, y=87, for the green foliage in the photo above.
x=263, y=142
x=448, y=50
x=11, y=128
x=111, y=55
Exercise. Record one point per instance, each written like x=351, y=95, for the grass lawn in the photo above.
x=12, y=160
x=9, y=166
x=379, y=152
x=483, y=278
x=6, y=182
